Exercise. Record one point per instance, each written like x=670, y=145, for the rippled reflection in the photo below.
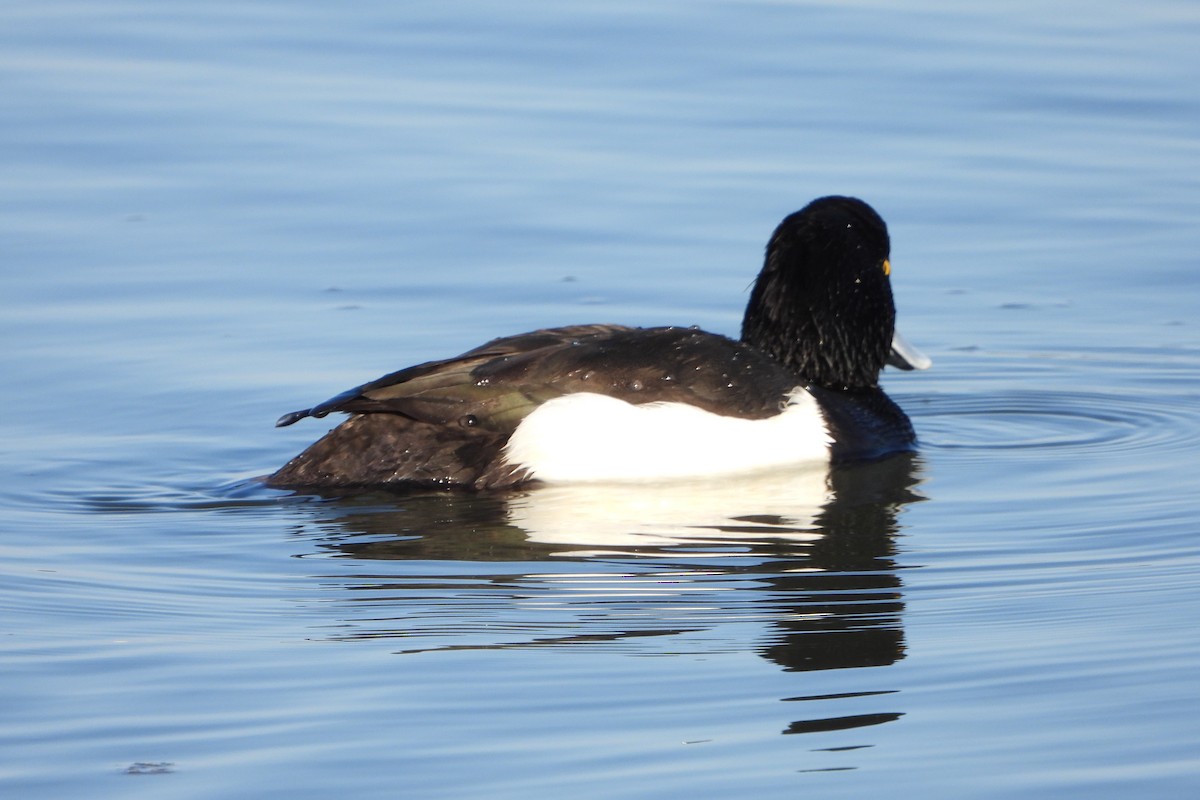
x=799, y=569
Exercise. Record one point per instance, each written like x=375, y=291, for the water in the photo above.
x=214, y=213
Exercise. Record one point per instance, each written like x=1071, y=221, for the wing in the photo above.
x=495, y=386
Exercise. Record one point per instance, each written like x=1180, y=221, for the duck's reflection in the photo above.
x=807, y=558
x=853, y=598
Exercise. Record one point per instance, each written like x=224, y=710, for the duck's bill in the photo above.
x=905, y=356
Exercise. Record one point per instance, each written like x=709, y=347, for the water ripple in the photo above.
x=1030, y=422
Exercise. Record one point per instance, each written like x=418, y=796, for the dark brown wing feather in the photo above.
x=497, y=385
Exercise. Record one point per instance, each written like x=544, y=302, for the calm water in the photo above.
x=216, y=212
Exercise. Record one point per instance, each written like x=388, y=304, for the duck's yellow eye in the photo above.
x=887, y=267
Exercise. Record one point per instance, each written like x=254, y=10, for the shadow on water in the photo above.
x=801, y=569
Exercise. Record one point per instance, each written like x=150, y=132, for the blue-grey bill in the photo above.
x=905, y=356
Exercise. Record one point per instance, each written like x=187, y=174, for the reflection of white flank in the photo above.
x=594, y=437
x=780, y=504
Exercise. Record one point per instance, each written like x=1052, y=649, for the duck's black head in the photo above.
x=822, y=304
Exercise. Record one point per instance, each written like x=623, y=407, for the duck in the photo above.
x=604, y=402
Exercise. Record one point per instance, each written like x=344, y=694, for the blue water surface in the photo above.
x=213, y=213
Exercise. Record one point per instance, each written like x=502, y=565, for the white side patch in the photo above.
x=594, y=437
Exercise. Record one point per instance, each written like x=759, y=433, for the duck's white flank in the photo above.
x=594, y=437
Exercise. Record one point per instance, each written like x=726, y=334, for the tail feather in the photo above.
x=292, y=417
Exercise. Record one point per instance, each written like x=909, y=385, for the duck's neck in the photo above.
x=837, y=342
